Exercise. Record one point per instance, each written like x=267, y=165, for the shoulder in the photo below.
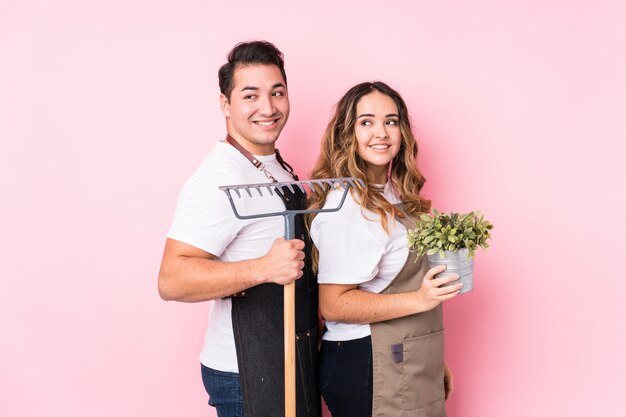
x=223, y=166
x=350, y=220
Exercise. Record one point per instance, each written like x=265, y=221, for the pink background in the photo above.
x=106, y=107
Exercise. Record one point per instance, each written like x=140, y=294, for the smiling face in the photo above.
x=377, y=131
x=258, y=107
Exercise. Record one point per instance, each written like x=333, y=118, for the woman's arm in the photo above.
x=348, y=304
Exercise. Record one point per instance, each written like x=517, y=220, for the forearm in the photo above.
x=194, y=279
x=358, y=306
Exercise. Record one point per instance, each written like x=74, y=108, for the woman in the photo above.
x=382, y=351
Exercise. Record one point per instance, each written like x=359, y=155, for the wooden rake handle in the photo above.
x=290, y=349
x=289, y=331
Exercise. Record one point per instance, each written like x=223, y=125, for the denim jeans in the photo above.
x=346, y=379
x=224, y=392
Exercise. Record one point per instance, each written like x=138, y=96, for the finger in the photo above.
x=447, y=289
x=434, y=271
x=438, y=282
x=448, y=296
x=297, y=244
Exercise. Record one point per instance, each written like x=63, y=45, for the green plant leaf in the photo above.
x=437, y=231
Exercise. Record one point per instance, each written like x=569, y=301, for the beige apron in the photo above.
x=408, y=359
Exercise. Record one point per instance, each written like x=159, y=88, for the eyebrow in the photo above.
x=248, y=87
x=372, y=115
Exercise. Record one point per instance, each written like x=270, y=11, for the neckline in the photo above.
x=232, y=149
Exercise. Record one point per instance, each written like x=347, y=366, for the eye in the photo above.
x=249, y=97
x=366, y=123
x=392, y=122
x=278, y=93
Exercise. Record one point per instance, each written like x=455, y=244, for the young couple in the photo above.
x=382, y=348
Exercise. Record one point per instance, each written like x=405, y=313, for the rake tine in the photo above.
x=301, y=187
x=291, y=188
x=248, y=191
x=338, y=184
x=314, y=186
x=270, y=190
x=237, y=191
x=260, y=192
x=355, y=182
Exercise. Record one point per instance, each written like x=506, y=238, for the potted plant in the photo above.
x=451, y=239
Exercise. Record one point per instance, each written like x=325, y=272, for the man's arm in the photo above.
x=190, y=274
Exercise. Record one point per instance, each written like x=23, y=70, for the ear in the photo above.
x=225, y=105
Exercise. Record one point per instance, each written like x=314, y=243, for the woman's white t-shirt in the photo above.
x=355, y=249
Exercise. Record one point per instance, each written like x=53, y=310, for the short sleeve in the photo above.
x=347, y=254
x=203, y=216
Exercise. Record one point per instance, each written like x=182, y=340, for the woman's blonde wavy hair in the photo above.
x=339, y=158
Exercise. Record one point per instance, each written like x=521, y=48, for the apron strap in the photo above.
x=258, y=164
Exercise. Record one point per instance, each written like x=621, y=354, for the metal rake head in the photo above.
x=312, y=186
x=280, y=188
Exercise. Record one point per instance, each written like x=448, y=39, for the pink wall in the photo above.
x=106, y=108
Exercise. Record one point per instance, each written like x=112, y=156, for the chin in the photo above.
x=267, y=140
x=269, y=137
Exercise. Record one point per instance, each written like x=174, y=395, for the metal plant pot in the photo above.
x=456, y=262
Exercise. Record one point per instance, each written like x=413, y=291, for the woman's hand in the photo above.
x=431, y=293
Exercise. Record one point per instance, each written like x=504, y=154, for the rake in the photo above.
x=280, y=189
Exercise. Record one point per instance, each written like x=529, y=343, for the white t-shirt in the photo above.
x=205, y=219
x=355, y=249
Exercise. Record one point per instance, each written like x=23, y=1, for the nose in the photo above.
x=266, y=106
x=381, y=131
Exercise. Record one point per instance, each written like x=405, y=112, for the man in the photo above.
x=212, y=255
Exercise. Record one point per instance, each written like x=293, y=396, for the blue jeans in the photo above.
x=346, y=380
x=224, y=392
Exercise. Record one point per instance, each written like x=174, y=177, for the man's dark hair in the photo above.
x=249, y=53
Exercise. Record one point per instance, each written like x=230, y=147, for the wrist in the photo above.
x=420, y=304
x=256, y=272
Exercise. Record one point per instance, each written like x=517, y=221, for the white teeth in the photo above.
x=265, y=123
x=379, y=146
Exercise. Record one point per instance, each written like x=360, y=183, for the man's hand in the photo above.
x=282, y=264
x=431, y=293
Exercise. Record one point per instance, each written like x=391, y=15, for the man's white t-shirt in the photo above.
x=205, y=219
x=355, y=249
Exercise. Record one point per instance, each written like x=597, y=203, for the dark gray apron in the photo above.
x=258, y=329
x=408, y=357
